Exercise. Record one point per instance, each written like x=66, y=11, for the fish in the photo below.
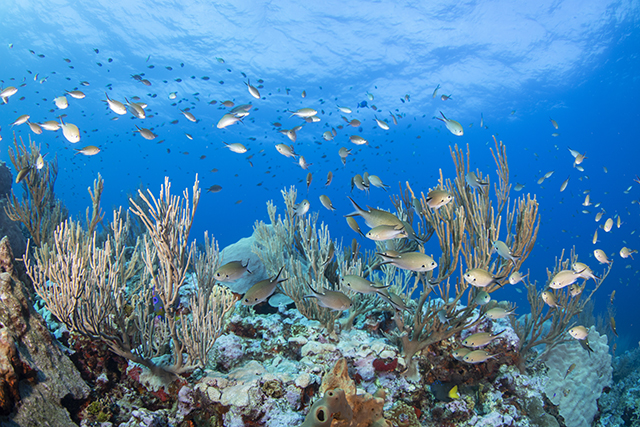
x=474, y=182
x=393, y=299
x=227, y=120
x=89, y=150
x=595, y=237
x=599, y=216
x=231, y=271
x=303, y=163
x=579, y=332
x=516, y=277
x=381, y=123
x=554, y=123
x=262, y=290
x=571, y=368
x=498, y=313
x=438, y=198
x=7, y=92
x=518, y=187
x=413, y=261
x=608, y=225
x=136, y=109
x=329, y=178
x=302, y=208
x=481, y=339
x=395, y=121
x=115, y=106
x=344, y=153
x=333, y=300
x=375, y=217
x=358, y=140
x=601, y=256
x=478, y=356
x=189, y=116
x=575, y=289
x=453, y=126
x=435, y=91
x=586, y=201
x=35, y=128
x=236, y=147
x=550, y=299
x=564, y=278
x=70, y=131
x=214, y=189
x=22, y=174
x=304, y=112
x=386, y=232
x=453, y=393
x=326, y=202
x=345, y=110
x=21, y=120
x=76, y=94
x=482, y=298
x=286, y=150
x=174, y=95
x=445, y=97
x=146, y=133
x=39, y=162
x=564, y=184
x=50, y=125
x=327, y=135
x=354, y=225
x=377, y=182
x=612, y=322
x=460, y=353
x=625, y=252
x=583, y=271
x=503, y=250
x=360, y=285
x=252, y=90
x=480, y=278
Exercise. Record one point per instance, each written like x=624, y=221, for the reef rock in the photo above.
x=241, y=251
x=37, y=380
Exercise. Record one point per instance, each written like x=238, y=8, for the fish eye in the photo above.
x=246, y=300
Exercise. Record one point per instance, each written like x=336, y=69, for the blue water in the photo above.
x=518, y=66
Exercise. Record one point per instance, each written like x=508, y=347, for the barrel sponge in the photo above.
x=576, y=395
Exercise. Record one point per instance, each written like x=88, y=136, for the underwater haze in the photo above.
x=513, y=70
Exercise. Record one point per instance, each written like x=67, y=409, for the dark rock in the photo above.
x=6, y=179
x=37, y=379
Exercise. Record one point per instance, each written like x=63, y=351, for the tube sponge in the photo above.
x=576, y=395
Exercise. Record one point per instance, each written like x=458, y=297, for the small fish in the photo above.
x=236, y=147
x=304, y=112
x=571, y=368
x=612, y=322
x=21, y=120
x=345, y=110
x=608, y=225
x=474, y=182
x=599, y=216
x=358, y=140
x=460, y=353
x=575, y=289
x=435, y=91
x=595, y=237
x=583, y=271
x=381, y=123
x=344, y=153
x=136, y=109
x=303, y=163
x=579, y=332
x=326, y=202
x=77, y=94
x=482, y=298
x=333, y=300
x=478, y=356
x=438, y=198
x=480, y=278
x=174, y=95
x=189, y=116
x=625, y=252
x=327, y=136
x=503, y=250
x=262, y=290
x=231, y=271
x=554, y=123
x=518, y=187
x=146, y=133
x=286, y=150
x=601, y=256
x=386, y=232
x=329, y=178
x=498, y=313
x=35, y=128
x=39, y=161
x=564, y=184
x=70, y=131
x=516, y=277
x=227, y=120
x=302, y=208
x=481, y=339
x=550, y=299
x=564, y=278
x=413, y=261
x=115, y=106
x=377, y=182
x=360, y=285
x=445, y=97
x=252, y=90
x=453, y=393
x=214, y=189
x=7, y=92
x=89, y=150
x=22, y=174
x=50, y=125
x=354, y=225
x=453, y=126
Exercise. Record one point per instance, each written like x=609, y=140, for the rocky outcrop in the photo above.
x=38, y=382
